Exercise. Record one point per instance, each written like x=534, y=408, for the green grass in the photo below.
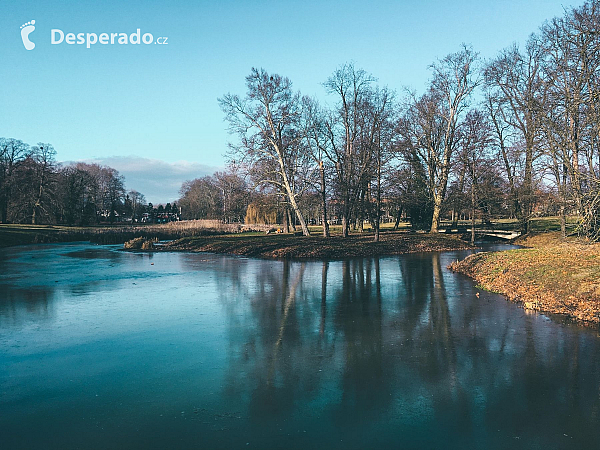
x=537, y=224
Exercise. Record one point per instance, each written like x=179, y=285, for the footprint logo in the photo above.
x=26, y=30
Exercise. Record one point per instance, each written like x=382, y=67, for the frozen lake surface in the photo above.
x=101, y=348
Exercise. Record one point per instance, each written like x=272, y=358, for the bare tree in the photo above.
x=515, y=94
x=12, y=153
x=73, y=184
x=344, y=126
x=267, y=122
x=45, y=166
x=234, y=192
x=115, y=191
x=317, y=146
x=571, y=65
x=138, y=204
x=201, y=199
x=431, y=125
x=474, y=146
x=379, y=140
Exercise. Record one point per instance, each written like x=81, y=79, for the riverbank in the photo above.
x=115, y=234
x=549, y=275
x=284, y=246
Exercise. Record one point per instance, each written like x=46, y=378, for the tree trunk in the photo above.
x=290, y=220
x=323, y=201
x=325, y=224
x=563, y=221
x=435, y=220
x=563, y=203
x=4, y=206
x=291, y=196
x=286, y=223
x=439, y=193
x=398, y=215
x=37, y=204
x=527, y=201
x=472, y=213
x=378, y=202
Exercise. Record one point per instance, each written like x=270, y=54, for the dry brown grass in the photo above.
x=552, y=275
x=191, y=226
x=287, y=246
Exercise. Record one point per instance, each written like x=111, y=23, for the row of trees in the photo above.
x=223, y=196
x=487, y=137
x=35, y=189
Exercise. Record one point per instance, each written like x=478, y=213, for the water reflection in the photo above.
x=380, y=352
x=428, y=350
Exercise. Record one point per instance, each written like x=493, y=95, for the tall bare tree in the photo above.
x=350, y=158
x=431, y=126
x=44, y=157
x=318, y=146
x=379, y=140
x=358, y=135
x=72, y=186
x=267, y=123
x=234, y=195
x=571, y=68
x=12, y=153
x=475, y=142
x=138, y=204
x=515, y=94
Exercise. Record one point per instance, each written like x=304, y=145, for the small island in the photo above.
x=316, y=247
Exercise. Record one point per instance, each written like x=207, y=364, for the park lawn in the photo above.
x=550, y=275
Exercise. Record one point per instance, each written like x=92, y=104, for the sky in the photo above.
x=151, y=111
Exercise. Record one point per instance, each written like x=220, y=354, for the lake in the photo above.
x=101, y=348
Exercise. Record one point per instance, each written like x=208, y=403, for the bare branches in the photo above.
x=430, y=127
x=267, y=122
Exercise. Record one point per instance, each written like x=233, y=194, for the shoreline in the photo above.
x=316, y=247
x=547, y=275
x=23, y=234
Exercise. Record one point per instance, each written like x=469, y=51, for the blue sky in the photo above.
x=153, y=108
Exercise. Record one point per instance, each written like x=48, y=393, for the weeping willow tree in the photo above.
x=261, y=214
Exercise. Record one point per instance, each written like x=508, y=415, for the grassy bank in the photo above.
x=120, y=233
x=550, y=275
x=116, y=234
x=316, y=247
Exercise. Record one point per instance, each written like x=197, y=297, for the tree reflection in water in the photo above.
x=363, y=353
x=372, y=343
